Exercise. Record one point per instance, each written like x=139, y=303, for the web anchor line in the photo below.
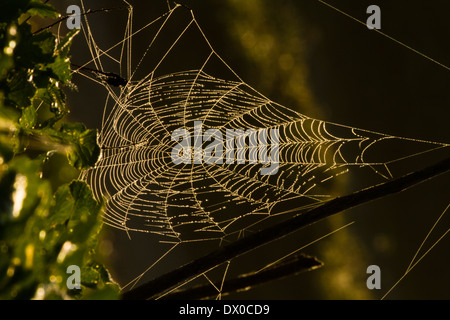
x=387, y=36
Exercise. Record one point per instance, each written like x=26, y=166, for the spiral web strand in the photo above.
x=179, y=203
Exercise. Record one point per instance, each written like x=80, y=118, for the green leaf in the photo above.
x=47, y=44
x=20, y=90
x=110, y=291
x=28, y=119
x=65, y=43
x=85, y=212
x=60, y=69
x=84, y=150
x=44, y=10
x=62, y=207
x=61, y=66
x=33, y=50
x=95, y=276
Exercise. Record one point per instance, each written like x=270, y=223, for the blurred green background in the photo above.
x=307, y=56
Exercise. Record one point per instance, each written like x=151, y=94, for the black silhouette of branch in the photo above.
x=157, y=287
x=287, y=267
x=90, y=11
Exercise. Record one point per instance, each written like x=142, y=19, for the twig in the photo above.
x=62, y=19
x=154, y=288
x=287, y=267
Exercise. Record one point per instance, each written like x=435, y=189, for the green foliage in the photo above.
x=83, y=151
x=43, y=231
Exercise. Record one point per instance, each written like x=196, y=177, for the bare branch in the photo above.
x=155, y=288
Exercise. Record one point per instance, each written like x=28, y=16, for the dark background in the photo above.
x=307, y=56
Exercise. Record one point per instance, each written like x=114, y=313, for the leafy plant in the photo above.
x=43, y=231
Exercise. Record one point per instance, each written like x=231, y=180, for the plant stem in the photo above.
x=154, y=288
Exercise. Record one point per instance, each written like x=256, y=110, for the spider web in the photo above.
x=178, y=203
